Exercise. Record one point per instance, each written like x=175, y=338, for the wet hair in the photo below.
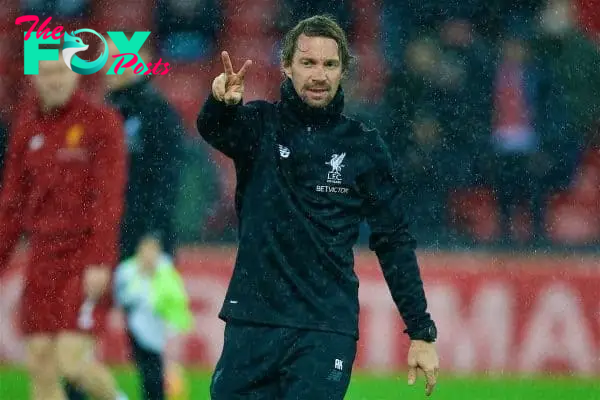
x=154, y=236
x=318, y=25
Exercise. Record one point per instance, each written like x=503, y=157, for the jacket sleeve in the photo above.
x=125, y=292
x=231, y=129
x=109, y=180
x=120, y=286
x=13, y=197
x=392, y=242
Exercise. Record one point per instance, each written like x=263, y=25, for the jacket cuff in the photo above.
x=424, y=329
x=213, y=105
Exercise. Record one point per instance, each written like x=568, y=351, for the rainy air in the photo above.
x=299, y=199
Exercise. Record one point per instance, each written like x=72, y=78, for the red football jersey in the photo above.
x=64, y=176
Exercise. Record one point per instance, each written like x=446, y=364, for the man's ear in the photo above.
x=287, y=71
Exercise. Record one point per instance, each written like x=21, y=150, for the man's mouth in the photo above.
x=317, y=92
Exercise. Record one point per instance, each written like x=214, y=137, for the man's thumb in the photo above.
x=412, y=375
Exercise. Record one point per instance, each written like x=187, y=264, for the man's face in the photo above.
x=316, y=70
x=55, y=83
x=149, y=251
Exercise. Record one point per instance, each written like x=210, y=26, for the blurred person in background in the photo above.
x=63, y=185
x=307, y=177
x=188, y=29
x=154, y=135
x=149, y=290
x=569, y=61
x=517, y=163
x=529, y=131
x=434, y=128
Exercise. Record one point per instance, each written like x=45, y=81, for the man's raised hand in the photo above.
x=229, y=86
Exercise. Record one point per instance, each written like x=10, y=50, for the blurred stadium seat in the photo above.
x=261, y=49
x=589, y=17
x=8, y=13
x=575, y=214
x=572, y=217
x=474, y=212
x=6, y=58
x=248, y=18
x=186, y=86
x=123, y=14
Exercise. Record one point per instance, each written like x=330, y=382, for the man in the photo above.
x=154, y=136
x=518, y=163
x=63, y=185
x=307, y=175
x=151, y=292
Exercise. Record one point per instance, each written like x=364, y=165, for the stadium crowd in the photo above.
x=490, y=108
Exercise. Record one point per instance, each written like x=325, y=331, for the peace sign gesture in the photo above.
x=229, y=86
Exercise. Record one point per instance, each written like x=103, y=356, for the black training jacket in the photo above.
x=155, y=136
x=306, y=178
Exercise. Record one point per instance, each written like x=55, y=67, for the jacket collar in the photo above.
x=135, y=87
x=296, y=108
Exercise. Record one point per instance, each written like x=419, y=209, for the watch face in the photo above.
x=431, y=332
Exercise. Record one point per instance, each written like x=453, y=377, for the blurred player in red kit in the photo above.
x=63, y=186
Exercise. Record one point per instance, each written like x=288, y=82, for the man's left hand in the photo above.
x=423, y=356
x=95, y=281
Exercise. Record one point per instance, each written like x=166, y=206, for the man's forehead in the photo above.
x=317, y=47
x=51, y=65
x=111, y=44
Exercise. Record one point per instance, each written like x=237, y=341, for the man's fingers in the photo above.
x=218, y=86
x=219, y=92
x=244, y=68
x=227, y=63
x=232, y=98
x=431, y=377
x=412, y=375
x=219, y=89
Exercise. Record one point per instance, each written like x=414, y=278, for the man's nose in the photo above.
x=319, y=74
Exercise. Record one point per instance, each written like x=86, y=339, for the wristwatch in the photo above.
x=426, y=334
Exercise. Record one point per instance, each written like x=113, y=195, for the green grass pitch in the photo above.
x=14, y=386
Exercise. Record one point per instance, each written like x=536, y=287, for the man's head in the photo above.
x=55, y=83
x=315, y=56
x=115, y=81
x=148, y=251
